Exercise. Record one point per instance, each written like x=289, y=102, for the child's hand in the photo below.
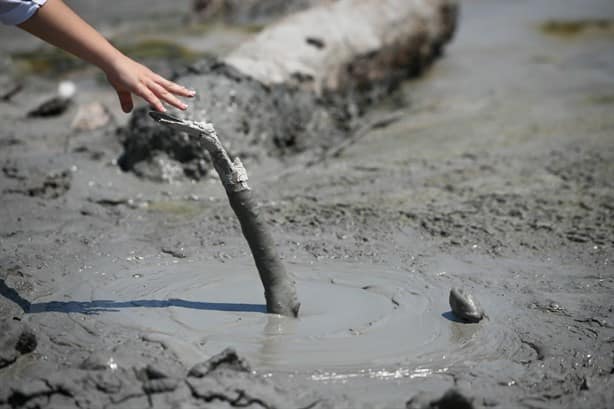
x=57, y=24
x=129, y=77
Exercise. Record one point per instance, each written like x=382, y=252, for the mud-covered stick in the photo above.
x=279, y=287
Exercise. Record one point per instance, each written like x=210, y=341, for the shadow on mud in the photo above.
x=97, y=306
x=449, y=315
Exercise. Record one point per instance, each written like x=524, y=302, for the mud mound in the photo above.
x=252, y=119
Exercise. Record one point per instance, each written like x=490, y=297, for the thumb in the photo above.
x=125, y=99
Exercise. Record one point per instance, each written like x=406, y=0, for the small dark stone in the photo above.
x=316, y=42
x=464, y=306
x=452, y=399
x=53, y=107
x=175, y=252
x=27, y=341
x=228, y=358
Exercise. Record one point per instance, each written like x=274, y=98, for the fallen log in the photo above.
x=348, y=43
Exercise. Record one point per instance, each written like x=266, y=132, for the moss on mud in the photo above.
x=53, y=62
x=571, y=28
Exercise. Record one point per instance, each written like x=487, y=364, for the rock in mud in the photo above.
x=91, y=116
x=53, y=107
x=16, y=339
x=227, y=359
x=464, y=306
x=452, y=399
x=175, y=251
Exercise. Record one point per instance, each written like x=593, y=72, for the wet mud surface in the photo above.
x=496, y=178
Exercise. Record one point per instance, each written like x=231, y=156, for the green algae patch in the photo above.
x=53, y=62
x=175, y=207
x=47, y=61
x=218, y=25
x=601, y=99
x=158, y=49
x=572, y=28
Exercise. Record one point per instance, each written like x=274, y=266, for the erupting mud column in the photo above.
x=279, y=288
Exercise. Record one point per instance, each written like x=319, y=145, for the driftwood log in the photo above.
x=348, y=43
x=279, y=287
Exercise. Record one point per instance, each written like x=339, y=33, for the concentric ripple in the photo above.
x=353, y=318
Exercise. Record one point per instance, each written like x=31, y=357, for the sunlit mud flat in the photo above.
x=497, y=177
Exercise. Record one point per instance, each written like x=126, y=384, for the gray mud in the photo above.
x=497, y=178
x=253, y=120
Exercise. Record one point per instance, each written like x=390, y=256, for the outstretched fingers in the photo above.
x=166, y=96
x=174, y=87
x=129, y=77
x=158, y=90
x=145, y=93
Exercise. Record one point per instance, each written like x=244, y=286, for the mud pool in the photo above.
x=497, y=177
x=351, y=320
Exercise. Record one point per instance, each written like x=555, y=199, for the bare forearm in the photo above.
x=58, y=25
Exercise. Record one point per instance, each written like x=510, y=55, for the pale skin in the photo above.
x=58, y=25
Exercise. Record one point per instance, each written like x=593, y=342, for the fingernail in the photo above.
x=191, y=92
x=184, y=106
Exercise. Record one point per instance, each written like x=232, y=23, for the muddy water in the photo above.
x=352, y=316
x=356, y=321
